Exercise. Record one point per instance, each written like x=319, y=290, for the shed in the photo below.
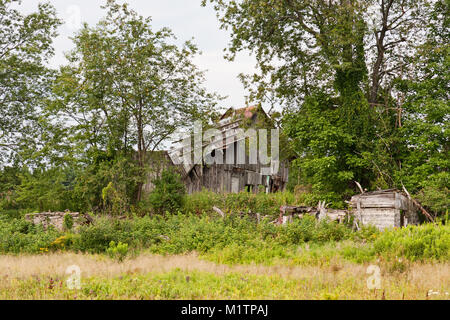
x=384, y=209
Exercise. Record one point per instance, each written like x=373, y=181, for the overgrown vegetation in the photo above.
x=168, y=194
x=69, y=138
x=232, y=240
x=361, y=97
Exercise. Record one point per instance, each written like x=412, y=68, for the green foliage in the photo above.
x=168, y=194
x=246, y=202
x=107, y=185
x=45, y=189
x=9, y=180
x=117, y=252
x=367, y=233
x=234, y=240
x=97, y=237
x=113, y=201
x=122, y=54
x=331, y=148
x=68, y=222
x=343, y=119
x=425, y=130
x=415, y=243
x=21, y=236
x=25, y=47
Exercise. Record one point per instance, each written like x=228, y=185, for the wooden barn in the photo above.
x=229, y=178
x=384, y=209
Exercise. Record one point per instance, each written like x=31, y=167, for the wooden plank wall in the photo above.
x=218, y=177
x=384, y=209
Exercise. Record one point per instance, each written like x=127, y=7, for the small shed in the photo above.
x=384, y=209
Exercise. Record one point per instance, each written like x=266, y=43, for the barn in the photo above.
x=226, y=177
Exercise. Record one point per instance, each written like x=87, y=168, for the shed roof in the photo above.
x=390, y=198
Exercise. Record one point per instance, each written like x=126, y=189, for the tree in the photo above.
x=301, y=44
x=25, y=47
x=425, y=130
x=333, y=66
x=129, y=87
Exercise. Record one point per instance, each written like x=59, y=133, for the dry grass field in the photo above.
x=188, y=277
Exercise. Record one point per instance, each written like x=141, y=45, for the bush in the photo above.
x=233, y=239
x=367, y=233
x=96, y=238
x=265, y=204
x=117, y=252
x=427, y=241
x=22, y=236
x=68, y=222
x=168, y=194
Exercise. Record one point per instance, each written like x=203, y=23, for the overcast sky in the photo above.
x=186, y=18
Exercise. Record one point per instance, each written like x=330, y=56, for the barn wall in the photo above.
x=158, y=161
x=225, y=178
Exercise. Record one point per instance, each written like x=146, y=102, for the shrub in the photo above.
x=117, y=252
x=68, y=222
x=96, y=238
x=427, y=241
x=233, y=239
x=265, y=204
x=22, y=236
x=168, y=194
x=114, y=200
x=367, y=233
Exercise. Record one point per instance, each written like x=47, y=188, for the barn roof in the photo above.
x=228, y=124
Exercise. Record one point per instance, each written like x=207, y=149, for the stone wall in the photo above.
x=56, y=219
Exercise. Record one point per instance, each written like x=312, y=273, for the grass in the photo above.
x=204, y=256
x=188, y=277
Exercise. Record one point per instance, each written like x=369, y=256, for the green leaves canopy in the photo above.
x=25, y=47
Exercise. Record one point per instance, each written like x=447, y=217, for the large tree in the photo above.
x=302, y=44
x=128, y=87
x=333, y=64
x=425, y=130
x=25, y=47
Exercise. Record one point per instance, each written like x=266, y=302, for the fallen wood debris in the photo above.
x=320, y=212
x=381, y=208
x=359, y=186
x=222, y=214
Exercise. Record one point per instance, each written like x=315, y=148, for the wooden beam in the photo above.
x=425, y=212
x=219, y=211
x=359, y=187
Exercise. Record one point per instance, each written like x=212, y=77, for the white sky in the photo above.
x=186, y=18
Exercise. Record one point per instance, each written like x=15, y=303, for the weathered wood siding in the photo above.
x=221, y=177
x=157, y=161
x=384, y=209
x=380, y=217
